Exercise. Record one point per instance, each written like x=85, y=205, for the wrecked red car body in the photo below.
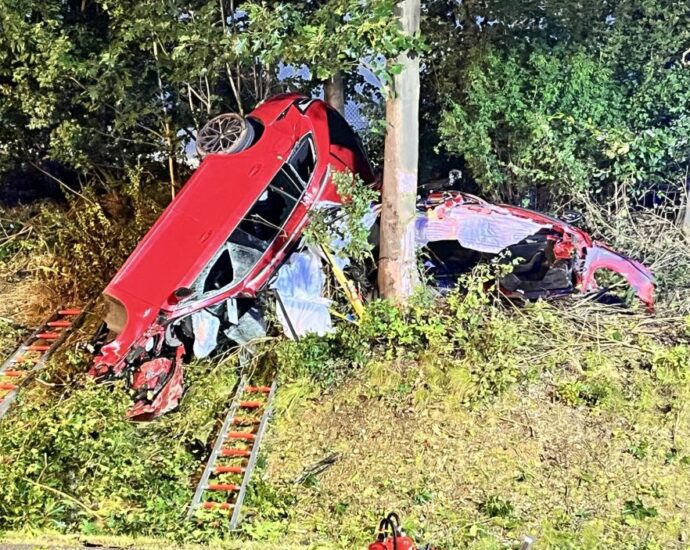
x=232, y=233
x=219, y=242
x=553, y=257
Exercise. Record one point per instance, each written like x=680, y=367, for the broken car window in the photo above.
x=221, y=274
x=302, y=160
x=262, y=224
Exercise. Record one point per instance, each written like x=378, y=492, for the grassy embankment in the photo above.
x=479, y=421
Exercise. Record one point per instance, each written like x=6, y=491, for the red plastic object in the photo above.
x=402, y=542
x=235, y=452
x=8, y=387
x=257, y=389
x=69, y=312
x=251, y=404
x=38, y=347
x=59, y=324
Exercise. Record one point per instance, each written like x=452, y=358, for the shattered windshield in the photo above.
x=262, y=224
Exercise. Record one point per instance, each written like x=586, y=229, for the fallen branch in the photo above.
x=65, y=495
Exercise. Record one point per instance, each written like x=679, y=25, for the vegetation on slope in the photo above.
x=479, y=419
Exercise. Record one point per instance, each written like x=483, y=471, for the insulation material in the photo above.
x=302, y=309
x=477, y=229
x=205, y=326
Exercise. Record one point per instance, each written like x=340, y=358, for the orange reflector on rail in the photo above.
x=235, y=452
x=219, y=505
x=48, y=335
x=251, y=404
x=257, y=389
x=222, y=487
x=8, y=387
x=12, y=373
x=57, y=324
x=69, y=312
x=38, y=347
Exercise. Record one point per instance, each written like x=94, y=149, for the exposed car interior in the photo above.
x=262, y=224
x=536, y=270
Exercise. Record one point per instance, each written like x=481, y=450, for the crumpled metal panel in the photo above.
x=251, y=326
x=640, y=278
x=205, y=326
x=483, y=230
x=163, y=378
x=302, y=309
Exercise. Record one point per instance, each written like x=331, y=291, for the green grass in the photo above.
x=479, y=421
x=615, y=473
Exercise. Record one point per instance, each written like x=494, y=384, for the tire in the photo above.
x=223, y=135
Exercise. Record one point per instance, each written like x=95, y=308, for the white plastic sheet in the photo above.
x=205, y=326
x=302, y=309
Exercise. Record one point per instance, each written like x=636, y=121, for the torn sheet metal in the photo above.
x=302, y=308
x=567, y=260
x=600, y=256
x=250, y=326
x=483, y=230
x=159, y=384
x=205, y=326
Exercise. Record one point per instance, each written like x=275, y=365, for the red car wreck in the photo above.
x=458, y=230
x=220, y=241
x=234, y=232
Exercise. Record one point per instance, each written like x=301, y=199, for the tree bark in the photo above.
x=397, y=260
x=334, y=92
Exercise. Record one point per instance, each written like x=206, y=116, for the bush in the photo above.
x=595, y=117
x=90, y=238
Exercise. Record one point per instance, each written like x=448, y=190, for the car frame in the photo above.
x=254, y=203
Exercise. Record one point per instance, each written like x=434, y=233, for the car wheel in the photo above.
x=224, y=134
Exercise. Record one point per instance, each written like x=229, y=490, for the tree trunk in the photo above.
x=334, y=92
x=397, y=260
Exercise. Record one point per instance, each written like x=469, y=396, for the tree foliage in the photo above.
x=105, y=86
x=569, y=97
x=556, y=95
